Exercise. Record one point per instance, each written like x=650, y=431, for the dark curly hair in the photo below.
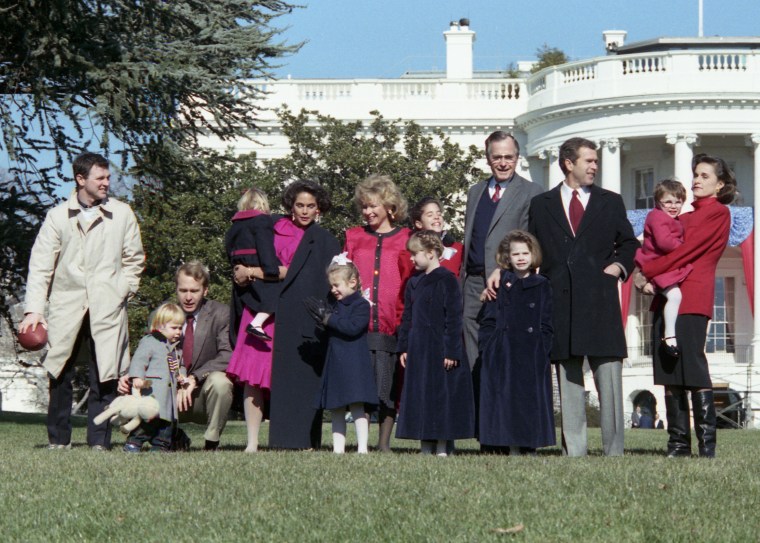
x=727, y=192
x=306, y=185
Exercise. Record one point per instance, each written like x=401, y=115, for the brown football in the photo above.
x=33, y=340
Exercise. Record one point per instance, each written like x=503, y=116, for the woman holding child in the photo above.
x=706, y=232
x=298, y=348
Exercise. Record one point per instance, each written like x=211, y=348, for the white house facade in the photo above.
x=649, y=105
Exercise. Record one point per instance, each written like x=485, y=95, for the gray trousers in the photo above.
x=471, y=290
x=608, y=378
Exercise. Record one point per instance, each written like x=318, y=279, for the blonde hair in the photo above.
x=165, y=314
x=346, y=272
x=518, y=236
x=425, y=240
x=384, y=190
x=254, y=198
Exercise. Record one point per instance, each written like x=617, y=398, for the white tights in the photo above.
x=253, y=407
x=670, y=311
x=339, y=428
x=259, y=318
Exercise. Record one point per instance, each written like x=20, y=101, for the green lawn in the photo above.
x=317, y=496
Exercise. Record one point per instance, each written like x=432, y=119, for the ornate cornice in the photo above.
x=690, y=139
x=753, y=140
x=549, y=152
x=611, y=144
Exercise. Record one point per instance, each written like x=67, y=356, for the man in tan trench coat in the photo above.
x=86, y=262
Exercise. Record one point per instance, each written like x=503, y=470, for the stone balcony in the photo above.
x=730, y=75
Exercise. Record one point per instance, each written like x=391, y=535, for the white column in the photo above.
x=611, y=164
x=684, y=152
x=555, y=172
x=755, y=139
x=523, y=167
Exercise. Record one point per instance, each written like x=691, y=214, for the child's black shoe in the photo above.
x=257, y=332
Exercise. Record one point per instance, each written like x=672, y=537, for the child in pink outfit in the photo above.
x=663, y=233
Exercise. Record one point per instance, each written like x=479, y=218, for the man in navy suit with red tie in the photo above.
x=588, y=247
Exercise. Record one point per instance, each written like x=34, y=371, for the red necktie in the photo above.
x=187, y=342
x=576, y=211
x=496, y=193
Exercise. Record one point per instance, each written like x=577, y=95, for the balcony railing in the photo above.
x=678, y=73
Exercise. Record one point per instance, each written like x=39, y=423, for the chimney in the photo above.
x=613, y=39
x=459, y=40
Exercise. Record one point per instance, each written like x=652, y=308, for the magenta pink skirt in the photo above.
x=251, y=361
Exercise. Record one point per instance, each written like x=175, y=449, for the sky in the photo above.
x=385, y=38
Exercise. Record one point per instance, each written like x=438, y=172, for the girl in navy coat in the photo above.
x=250, y=241
x=348, y=378
x=515, y=339
x=437, y=401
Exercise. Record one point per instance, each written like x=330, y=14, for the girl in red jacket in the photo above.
x=663, y=233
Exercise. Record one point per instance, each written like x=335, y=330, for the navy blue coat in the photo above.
x=299, y=345
x=436, y=403
x=515, y=340
x=348, y=376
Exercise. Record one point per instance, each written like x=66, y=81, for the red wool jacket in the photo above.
x=705, y=238
x=377, y=258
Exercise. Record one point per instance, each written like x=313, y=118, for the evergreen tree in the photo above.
x=144, y=78
x=341, y=154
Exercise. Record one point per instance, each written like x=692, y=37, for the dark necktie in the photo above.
x=496, y=193
x=576, y=212
x=187, y=343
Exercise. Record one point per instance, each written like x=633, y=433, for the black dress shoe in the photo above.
x=258, y=332
x=670, y=350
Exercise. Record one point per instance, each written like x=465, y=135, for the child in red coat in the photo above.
x=663, y=232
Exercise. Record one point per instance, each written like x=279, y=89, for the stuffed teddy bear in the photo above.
x=128, y=411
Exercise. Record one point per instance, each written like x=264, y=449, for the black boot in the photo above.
x=679, y=432
x=704, y=421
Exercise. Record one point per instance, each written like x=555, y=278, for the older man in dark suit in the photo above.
x=494, y=207
x=588, y=247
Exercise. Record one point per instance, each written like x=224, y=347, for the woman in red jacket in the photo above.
x=705, y=237
x=374, y=249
